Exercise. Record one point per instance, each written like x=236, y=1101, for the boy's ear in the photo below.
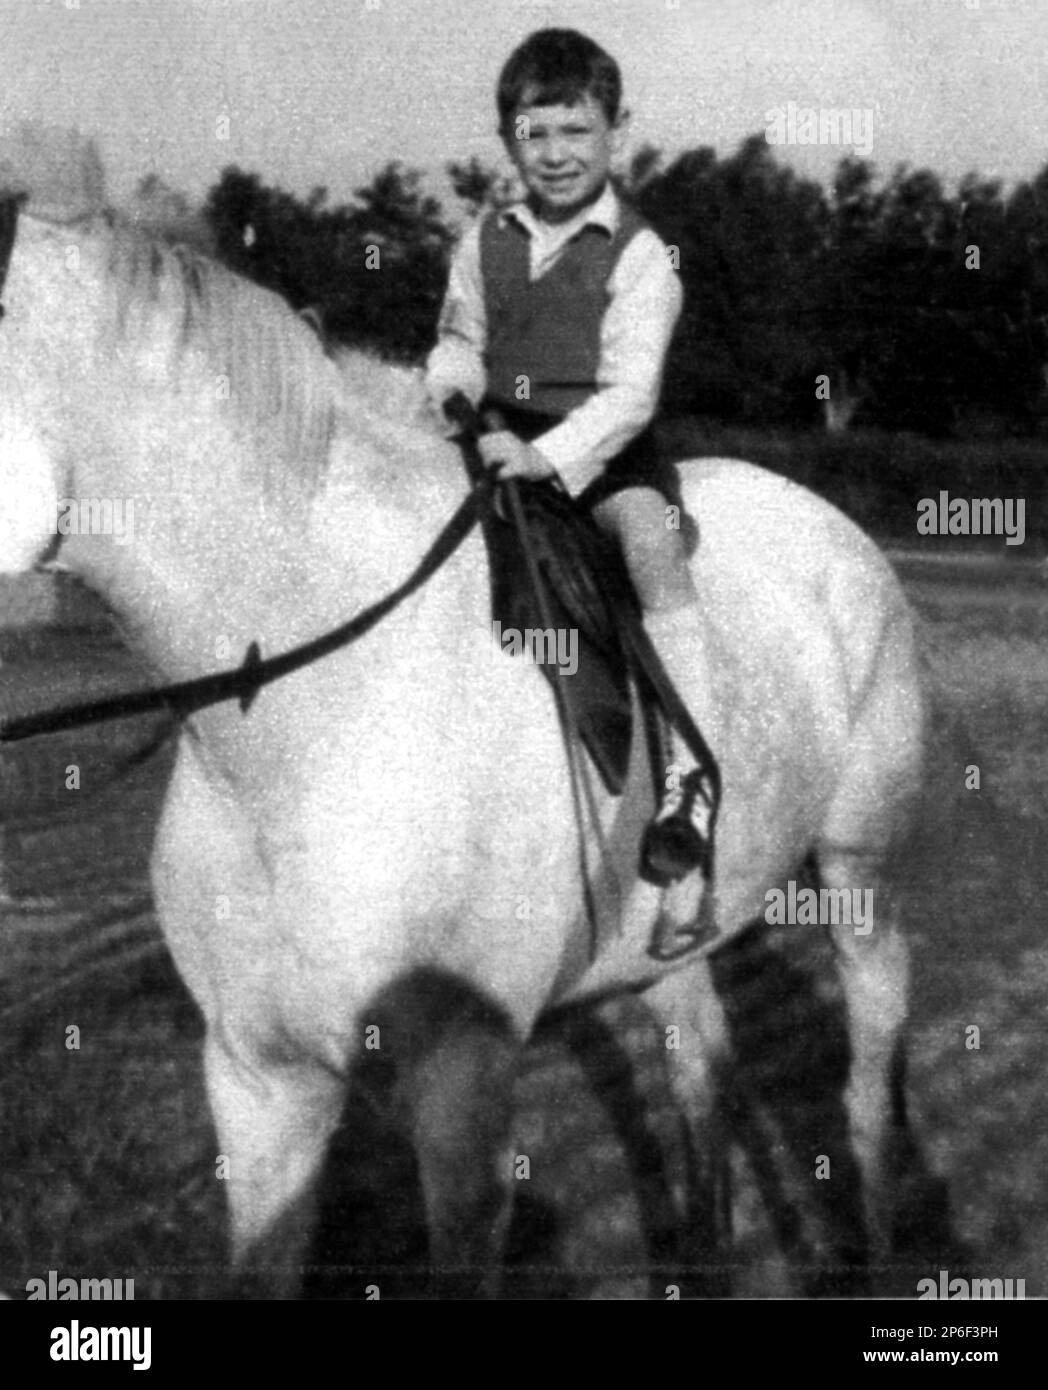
x=620, y=132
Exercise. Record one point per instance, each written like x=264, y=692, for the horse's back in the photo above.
x=814, y=659
x=763, y=527
x=782, y=569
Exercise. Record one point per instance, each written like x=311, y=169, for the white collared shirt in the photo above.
x=644, y=306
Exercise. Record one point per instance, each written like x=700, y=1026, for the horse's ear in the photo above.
x=59, y=171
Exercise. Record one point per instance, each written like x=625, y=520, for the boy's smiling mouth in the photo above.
x=563, y=153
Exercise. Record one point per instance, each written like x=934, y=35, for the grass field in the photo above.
x=107, y=1153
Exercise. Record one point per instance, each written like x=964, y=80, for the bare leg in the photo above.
x=654, y=552
x=679, y=840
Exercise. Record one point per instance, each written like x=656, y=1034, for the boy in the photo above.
x=559, y=312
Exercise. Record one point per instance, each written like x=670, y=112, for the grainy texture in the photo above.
x=107, y=1153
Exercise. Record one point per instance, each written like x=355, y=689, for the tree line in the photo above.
x=890, y=303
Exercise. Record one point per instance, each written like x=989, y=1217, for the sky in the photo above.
x=325, y=92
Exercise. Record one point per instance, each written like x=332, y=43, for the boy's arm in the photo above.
x=457, y=361
x=646, y=302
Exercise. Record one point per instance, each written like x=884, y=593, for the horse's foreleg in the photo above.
x=273, y=1123
x=694, y=1034
x=455, y=1056
x=272, y=1114
x=873, y=964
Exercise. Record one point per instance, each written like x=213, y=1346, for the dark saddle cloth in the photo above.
x=588, y=594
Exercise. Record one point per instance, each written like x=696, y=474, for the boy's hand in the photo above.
x=517, y=459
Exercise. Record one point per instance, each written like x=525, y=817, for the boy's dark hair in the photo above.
x=559, y=67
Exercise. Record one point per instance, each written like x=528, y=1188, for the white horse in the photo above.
x=373, y=874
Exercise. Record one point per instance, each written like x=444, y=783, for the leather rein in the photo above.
x=245, y=681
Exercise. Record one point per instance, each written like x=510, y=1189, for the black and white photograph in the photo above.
x=523, y=578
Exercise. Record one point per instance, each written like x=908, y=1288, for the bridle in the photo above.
x=10, y=206
x=243, y=682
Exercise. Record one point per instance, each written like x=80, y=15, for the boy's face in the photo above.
x=563, y=154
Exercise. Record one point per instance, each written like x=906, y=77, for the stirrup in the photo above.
x=679, y=838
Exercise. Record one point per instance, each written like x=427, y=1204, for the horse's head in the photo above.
x=28, y=499
x=28, y=482
x=48, y=181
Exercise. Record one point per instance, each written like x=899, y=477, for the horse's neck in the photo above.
x=213, y=562
x=267, y=511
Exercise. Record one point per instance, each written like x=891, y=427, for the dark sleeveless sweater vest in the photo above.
x=547, y=330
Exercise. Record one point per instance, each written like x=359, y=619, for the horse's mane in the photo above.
x=242, y=343
x=257, y=352
x=288, y=390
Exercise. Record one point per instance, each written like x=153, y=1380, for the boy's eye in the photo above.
x=543, y=132
x=564, y=133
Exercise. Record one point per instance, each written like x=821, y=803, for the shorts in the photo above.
x=640, y=464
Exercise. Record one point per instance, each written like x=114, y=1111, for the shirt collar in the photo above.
x=604, y=213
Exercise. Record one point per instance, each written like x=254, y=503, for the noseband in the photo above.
x=9, y=209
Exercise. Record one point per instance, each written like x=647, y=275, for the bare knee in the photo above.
x=653, y=548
